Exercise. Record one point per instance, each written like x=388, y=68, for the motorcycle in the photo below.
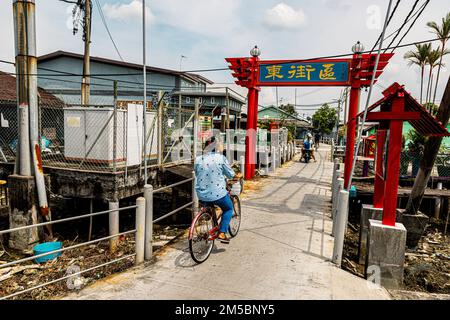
x=306, y=155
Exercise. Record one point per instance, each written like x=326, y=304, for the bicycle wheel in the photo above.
x=200, y=244
x=235, y=222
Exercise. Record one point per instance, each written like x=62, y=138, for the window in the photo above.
x=212, y=100
x=188, y=100
x=200, y=99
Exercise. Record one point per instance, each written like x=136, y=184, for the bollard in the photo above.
x=140, y=230
x=113, y=225
x=335, y=168
x=334, y=192
x=194, y=196
x=148, y=247
x=274, y=158
x=335, y=207
x=242, y=165
x=332, y=150
x=279, y=156
x=341, y=223
x=438, y=203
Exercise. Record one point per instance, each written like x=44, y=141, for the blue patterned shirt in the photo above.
x=211, y=170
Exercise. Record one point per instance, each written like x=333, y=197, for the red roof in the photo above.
x=8, y=92
x=427, y=125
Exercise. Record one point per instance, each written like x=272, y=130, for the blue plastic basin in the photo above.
x=47, y=247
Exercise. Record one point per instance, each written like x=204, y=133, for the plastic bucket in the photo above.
x=47, y=247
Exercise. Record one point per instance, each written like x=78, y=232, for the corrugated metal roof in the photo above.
x=427, y=125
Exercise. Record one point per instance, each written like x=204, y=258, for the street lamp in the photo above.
x=255, y=52
x=358, y=48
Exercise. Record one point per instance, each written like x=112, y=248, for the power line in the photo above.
x=412, y=24
x=226, y=69
x=100, y=10
x=389, y=20
x=408, y=17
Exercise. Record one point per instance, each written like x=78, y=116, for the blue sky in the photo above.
x=207, y=31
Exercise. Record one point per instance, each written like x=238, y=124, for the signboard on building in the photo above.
x=318, y=72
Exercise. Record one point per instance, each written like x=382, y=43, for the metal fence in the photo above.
x=103, y=137
x=143, y=233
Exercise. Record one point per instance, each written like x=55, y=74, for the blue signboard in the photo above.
x=322, y=72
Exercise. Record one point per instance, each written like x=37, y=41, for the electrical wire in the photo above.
x=96, y=76
x=102, y=16
x=408, y=17
x=358, y=143
x=412, y=24
x=390, y=18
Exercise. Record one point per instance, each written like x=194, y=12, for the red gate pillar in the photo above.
x=256, y=129
x=351, y=132
x=393, y=168
x=250, y=139
x=378, y=193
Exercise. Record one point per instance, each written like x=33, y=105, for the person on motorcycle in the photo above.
x=307, y=145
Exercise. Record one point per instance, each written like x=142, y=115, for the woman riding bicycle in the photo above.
x=211, y=169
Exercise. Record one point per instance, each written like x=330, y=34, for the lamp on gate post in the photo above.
x=255, y=52
x=358, y=48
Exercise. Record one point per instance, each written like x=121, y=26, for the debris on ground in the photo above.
x=427, y=267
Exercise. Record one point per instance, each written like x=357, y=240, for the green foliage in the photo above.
x=324, y=119
x=431, y=108
x=416, y=142
x=289, y=108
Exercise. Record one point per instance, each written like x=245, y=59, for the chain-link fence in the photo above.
x=103, y=137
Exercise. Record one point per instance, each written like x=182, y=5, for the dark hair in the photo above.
x=211, y=141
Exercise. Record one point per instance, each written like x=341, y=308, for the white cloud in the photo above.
x=283, y=16
x=127, y=12
x=217, y=18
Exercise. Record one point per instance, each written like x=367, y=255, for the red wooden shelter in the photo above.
x=395, y=107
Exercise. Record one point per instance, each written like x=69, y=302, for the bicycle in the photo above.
x=205, y=226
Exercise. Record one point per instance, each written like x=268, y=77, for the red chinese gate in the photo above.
x=253, y=73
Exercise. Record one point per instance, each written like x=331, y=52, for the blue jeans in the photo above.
x=226, y=205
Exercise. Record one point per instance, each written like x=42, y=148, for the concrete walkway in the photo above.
x=283, y=251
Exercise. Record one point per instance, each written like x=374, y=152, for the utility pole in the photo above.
x=85, y=82
x=144, y=75
x=23, y=186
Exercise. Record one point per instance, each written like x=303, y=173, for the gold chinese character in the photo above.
x=328, y=72
x=302, y=71
x=274, y=72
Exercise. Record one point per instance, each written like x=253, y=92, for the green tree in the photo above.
x=290, y=109
x=419, y=57
x=442, y=32
x=324, y=119
x=433, y=61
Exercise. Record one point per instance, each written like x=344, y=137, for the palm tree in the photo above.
x=419, y=58
x=433, y=60
x=442, y=32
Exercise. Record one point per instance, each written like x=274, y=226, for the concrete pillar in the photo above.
x=368, y=212
x=386, y=253
x=113, y=225
x=335, y=205
x=23, y=212
x=274, y=160
x=341, y=224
